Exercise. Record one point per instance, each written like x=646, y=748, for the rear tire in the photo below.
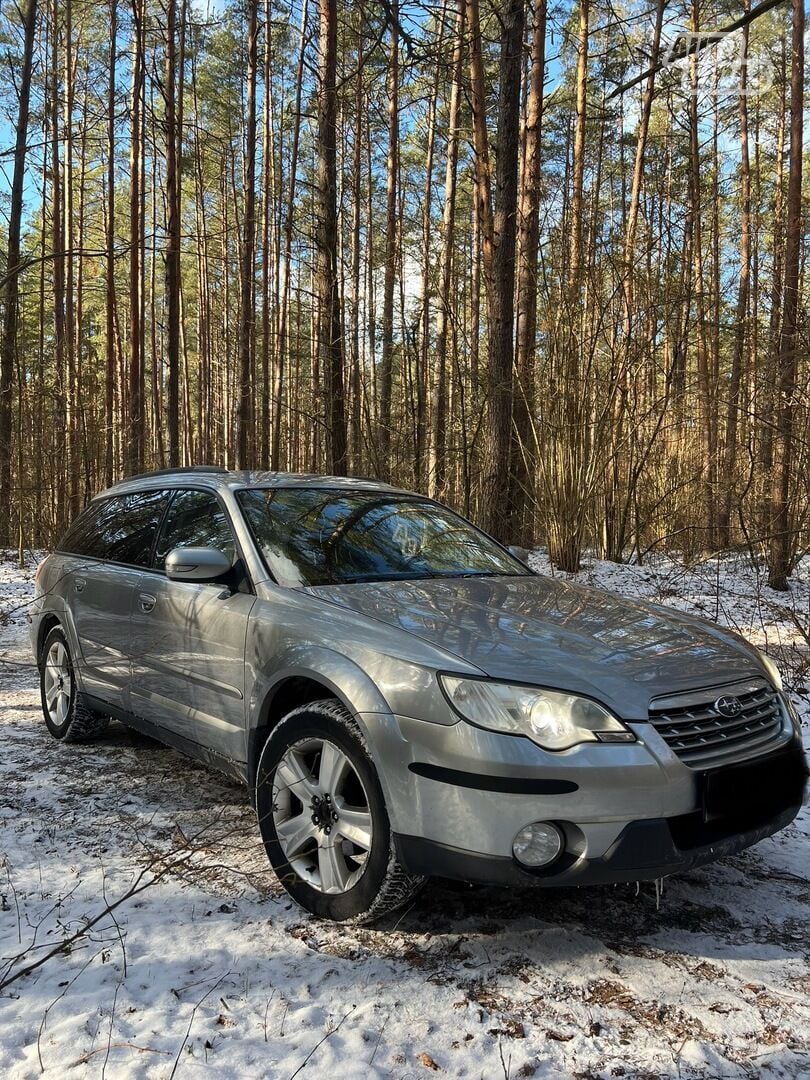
x=66, y=717
x=323, y=819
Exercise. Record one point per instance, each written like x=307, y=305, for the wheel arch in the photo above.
x=46, y=624
x=325, y=676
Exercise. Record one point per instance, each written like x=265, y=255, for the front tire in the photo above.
x=66, y=717
x=323, y=819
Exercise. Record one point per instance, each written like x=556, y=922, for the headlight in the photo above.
x=553, y=720
x=771, y=669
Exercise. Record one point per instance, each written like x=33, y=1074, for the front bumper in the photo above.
x=628, y=812
x=643, y=851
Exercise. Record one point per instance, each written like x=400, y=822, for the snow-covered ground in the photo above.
x=211, y=971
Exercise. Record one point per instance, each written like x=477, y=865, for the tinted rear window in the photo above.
x=81, y=536
x=119, y=529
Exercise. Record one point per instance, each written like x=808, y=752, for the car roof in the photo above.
x=215, y=477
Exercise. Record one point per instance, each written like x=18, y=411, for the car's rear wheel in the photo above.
x=323, y=819
x=66, y=717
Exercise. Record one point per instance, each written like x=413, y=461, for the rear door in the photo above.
x=109, y=545
x=188, y=671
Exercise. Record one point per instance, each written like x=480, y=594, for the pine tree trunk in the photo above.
x=283, y=319
x=8, y=345
x=136, y=434
x=58, y=246
x=438, y=410
x=422, y=352
x=109, y=283
x=617, y=500
x=708, y=419
x=521, y=498
x=782, y=528
x=355, y=359
x=245, y=451
x=267, y=239
x=730, y=450
x=329, y=351
x=499, y=234
x=766, y=403
x=72, y=412
x=565, y=526
x=389, y=269
x=172, y=239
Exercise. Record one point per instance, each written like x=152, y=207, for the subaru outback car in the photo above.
x=402, y=695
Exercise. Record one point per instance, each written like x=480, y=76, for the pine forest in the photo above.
x=546, y=262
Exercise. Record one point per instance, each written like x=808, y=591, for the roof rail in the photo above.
x=180, y=469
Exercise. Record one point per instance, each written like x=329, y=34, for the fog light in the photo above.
x=538, y=844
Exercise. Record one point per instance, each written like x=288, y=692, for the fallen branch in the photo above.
x=58, y=998
x=320, y=1042
x=119, y=1046
x=207, y=994
x=138, y=886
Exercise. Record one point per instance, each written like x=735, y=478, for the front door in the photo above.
x=188, y=639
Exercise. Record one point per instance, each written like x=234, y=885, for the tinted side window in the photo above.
x=81, y=536
x=126, y=527
x=121, y=528
x=194, y=519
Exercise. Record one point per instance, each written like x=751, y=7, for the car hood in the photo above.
x=548, y=632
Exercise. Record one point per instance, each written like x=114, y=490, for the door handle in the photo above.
x=146, y=602
x=79, y=583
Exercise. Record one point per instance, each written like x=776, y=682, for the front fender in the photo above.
x=344, y=678
x=340, y=676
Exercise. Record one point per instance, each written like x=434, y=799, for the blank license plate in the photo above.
x=754, y=790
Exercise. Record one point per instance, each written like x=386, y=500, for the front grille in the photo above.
x=702, y=737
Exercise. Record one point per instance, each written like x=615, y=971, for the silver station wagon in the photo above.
x=402, y=695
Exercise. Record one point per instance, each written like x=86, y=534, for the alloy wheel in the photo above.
x=57, y=683
x=322, y=815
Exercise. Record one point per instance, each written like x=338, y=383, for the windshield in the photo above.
x=317, y=537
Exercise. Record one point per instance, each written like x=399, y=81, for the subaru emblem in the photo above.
x=728, y=706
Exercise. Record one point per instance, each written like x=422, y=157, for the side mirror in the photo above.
x=196, y=564
x=519, y=553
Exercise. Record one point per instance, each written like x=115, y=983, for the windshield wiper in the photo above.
x=370, y=578
x=483, y=573
x=467, y=573
x=424, y=575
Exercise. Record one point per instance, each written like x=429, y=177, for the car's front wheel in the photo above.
x=323, y=819
x=66, y=717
